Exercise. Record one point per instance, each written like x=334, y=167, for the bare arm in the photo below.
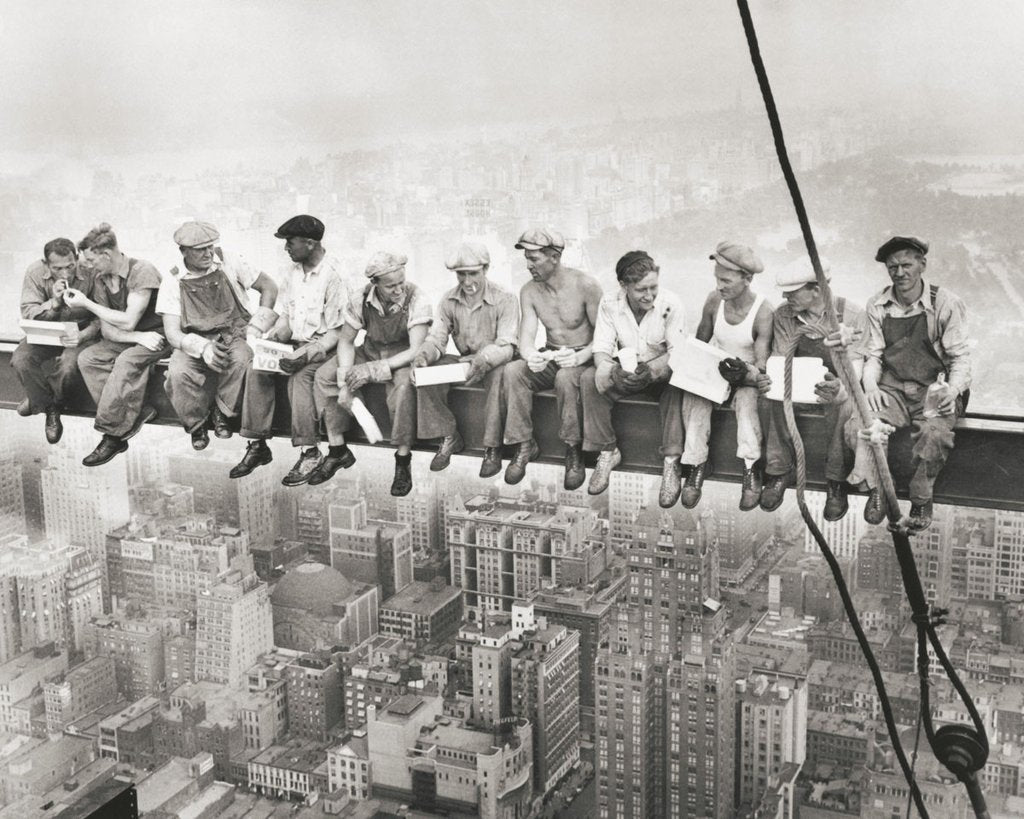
x=706, y=328
x=267, y=288
x=417, y=335
x=137, y=302
x=527, y=325
x=172, y=330
x=763, y=335
x=346, y=346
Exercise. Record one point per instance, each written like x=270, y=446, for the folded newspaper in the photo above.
x=807, y=371
x=267, y=355
x=50, y=333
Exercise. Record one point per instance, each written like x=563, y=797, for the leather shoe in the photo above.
x=694, y=485
x=402, y=484
x=200, y=439
x=774, y=491
x=146, y=414
x=920, y=516
x=257, y=453
x=751, y=494
x=300, y=473
x=575, y=471
x=54, y=428
x=451, y=445
x=525, y=452
x=606, y=462
x=836, y=504
x=874, y=512
x=491, y=464
x=25, y=408
x=671, y=479
x=108, y=447
x=221, y=423
x=329, y=465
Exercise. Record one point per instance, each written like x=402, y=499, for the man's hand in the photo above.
x=478, y=368
x=947, y=404
x=296, y=361
x=149, y=340
x=59, y=286
x=344, y=397
x=620, y=379
x=69, y=341
x=845, y=337
x=74, y=298
x=877, y=433
x=421, y=360
x=572, y=358
x=536, y=362
x=830, y=390
x=252, y=332
x=642, y=378
x=877, y=399
x=733, y=370
x=216, y=356
x=603, y=376
x=357, y=377
x=763, y=383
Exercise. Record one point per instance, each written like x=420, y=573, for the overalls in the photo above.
x=210, y=307
x=386, y=335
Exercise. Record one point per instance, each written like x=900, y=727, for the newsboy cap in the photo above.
x=301, y=227
x=540, y=238
x=796, y=274
x=741, y=258
x=901, y=243
x=468, y=256
x=383, y=263
x=196, y=234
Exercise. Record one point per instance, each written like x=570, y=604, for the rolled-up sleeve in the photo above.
x=605, y=335
x=420, y=310
x=336, y=300
x=353, y=313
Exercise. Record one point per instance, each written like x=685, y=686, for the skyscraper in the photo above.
x=373, y=551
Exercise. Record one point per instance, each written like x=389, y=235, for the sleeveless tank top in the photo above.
x=737, y=339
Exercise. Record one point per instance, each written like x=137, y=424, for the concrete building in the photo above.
x=295, y=770
x=84, y=595
x=370, y=550
x=33, y=578
x=44, y=766
x=423, y=612
x=20, y=677
x=137, y=648
x=843, y=536
x=419, y=511
x=83, y=689
x=1009, y=549
x=315, y=697
x=348, y=767
x=839, y=739
x=129, y=736
x=377, y=684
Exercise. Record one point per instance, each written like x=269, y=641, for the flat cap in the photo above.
x=468, y=256
x=901, y=243
x=196, y=234
x=798, y=273
x=302, y=227
x=741, y=258
x=383, y=263
x=540, y=238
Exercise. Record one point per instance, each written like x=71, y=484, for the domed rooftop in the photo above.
x=312, y=587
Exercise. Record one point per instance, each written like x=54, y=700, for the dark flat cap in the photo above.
x=302, y=227
x=901, y=243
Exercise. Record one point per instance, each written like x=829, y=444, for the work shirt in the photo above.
x=37, y=290
x=787, y=324
x=491, y=323
x=313, y=302
x=658, y=330
x=135, y=275
x=419, y=308
x=239, y=273
x=947, y=329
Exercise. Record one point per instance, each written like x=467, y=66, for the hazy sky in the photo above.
x=118, y=76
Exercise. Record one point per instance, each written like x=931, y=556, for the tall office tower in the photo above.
x=147, y=456
x=418, y=510
x=84, y=595
x=492, y=678
x=246, y=502
x=312, y=519
x=22, y=444
x=234, y=625
x=1009, y=549
x=370, y=550
x=771, y=730
x=34, y=577
x=316, y=701
x=628, y=493
x=843, y=536
x=981, y=566
x=12, y=497
x=504, y=550
x=742, y=537
x=876, y=567
x=933, y=551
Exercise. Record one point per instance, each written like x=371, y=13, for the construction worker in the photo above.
x=207, y=321
x=395, y=316
x=482, y=320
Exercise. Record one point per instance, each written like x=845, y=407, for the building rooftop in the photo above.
x=42, y=760
x=203, y=801
x=26, y=662
x=456, y=737
x=163, y=784
x=419, y=597
x=296, y=755
x=843, y=725
x=134, y=711
x=312, y=587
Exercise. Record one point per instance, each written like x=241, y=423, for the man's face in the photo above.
x=905, y=268
x=472, y=281
x=100, y=261
x=730, y=284
x=391, y=288
x=298, y=248
x=540, y=264
x=198, y=258
x=641, y=294
x=62, y=267
x=803, y=298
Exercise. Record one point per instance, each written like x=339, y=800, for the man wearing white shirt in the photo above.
x=639, y=322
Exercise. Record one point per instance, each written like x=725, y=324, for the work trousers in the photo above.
x=932, y=439
x=697, y=423
x=260, y=400
x=47, y=373
x=779, y=444
x=117, y=374
x=598, y=432
x=185, y=384
x=520, y=385
x=435, y=419
x=401, y=401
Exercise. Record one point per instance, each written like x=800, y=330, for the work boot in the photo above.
x=221, y=423
x=774, y=491
x=54, y=428
x=920, y=516
x=606, y=462
x=337, y=457
x=694, y=485
x=575, y=471
x=402, y=484
x=200, y=438
x=836, y=504
x=146, y=414
x=525, y=452
x=874, y=511
x=751, y=494
x=299, y=474
x=257, y=453
x=491, y=464
x=25, y=408
x=451, y=445
x=108, y=447
x=671, y=477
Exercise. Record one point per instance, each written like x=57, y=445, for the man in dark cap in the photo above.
x=482, y=320
x=310, y=309
x=639, y=324
x=208, y=321
x=565, y=301
x=916, y=337
x=47, y=372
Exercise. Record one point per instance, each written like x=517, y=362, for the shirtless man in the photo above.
x=565, y=301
